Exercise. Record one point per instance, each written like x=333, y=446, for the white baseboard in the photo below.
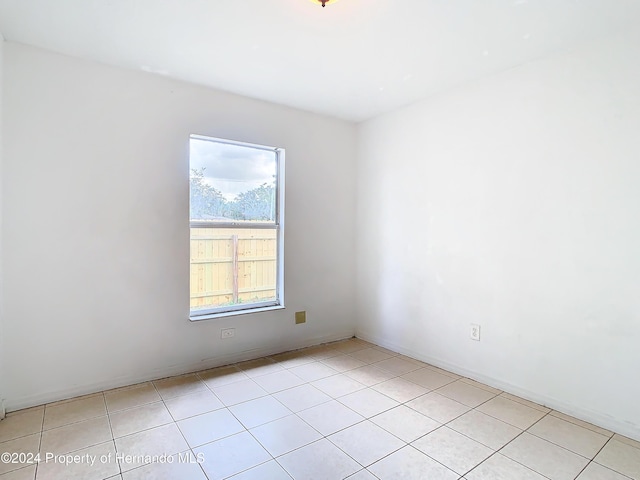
x=217, y=361
x=596, y=418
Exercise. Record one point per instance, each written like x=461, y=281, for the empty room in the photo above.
x=306, y=239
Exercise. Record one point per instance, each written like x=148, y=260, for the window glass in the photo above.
x=236, y=226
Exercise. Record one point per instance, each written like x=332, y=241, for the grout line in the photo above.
x=429, y=456
x=75, y=422
x=583, y=469
x=514, y=439
x=497, y=452
x=113, y=438
x=365, y=419
x=44, y=411
x=562, y=446
x=494, y=452
x=321, y=360
x=364, y=466
x=570, y=419
x=525, y=402
x=605, y=466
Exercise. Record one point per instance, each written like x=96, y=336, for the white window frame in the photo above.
x=278, y=226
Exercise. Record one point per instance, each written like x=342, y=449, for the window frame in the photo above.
x=277, y=225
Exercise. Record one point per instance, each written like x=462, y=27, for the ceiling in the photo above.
x=353, y=59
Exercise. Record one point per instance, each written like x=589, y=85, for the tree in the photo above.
x=255, y=204
x=205, y=201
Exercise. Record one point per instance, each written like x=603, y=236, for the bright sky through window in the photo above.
x=237, y=168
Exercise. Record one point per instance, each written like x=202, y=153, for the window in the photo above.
x=236, y=222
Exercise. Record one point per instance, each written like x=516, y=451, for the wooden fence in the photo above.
x=230, y=266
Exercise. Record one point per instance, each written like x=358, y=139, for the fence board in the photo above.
x=212, y=279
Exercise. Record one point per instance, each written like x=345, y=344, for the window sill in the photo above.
x=213, y=316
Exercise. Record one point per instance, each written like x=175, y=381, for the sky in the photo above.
x=232, y=169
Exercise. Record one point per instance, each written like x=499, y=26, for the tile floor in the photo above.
x=346, y=409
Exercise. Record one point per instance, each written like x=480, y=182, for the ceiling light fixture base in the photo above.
x=324, y=2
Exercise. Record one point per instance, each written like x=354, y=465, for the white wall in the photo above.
x=96, y=240
x=513, y=202
x=2, y=381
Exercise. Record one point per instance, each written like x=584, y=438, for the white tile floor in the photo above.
x=346, y=409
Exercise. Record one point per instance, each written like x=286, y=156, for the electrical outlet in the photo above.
x=227, y=333
x=475, y=332
x=301, y=317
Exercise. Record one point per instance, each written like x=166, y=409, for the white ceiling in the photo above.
x=353, y=59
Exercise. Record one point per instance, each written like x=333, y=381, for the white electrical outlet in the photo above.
x=227, y=333
x=475, y=332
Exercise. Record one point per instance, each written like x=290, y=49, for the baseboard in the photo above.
x=217, y=361
x=595, y=418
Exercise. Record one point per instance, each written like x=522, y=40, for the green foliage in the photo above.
x=255, y=204
x=207, y=203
